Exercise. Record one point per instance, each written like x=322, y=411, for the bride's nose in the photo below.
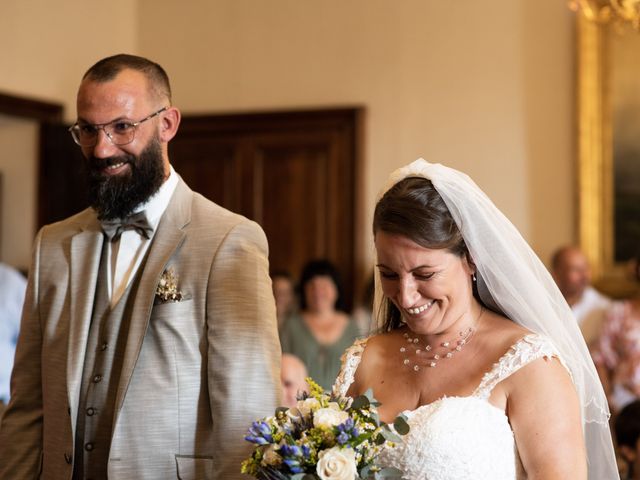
x=408, y=294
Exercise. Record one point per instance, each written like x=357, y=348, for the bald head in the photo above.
x=107, y=69
x=570, y=269
x=293, y=375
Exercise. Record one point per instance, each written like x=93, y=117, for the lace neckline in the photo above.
x=528, y=348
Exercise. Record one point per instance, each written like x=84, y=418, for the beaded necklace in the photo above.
x=446, y=349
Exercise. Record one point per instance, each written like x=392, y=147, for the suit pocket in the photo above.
x=194, y=468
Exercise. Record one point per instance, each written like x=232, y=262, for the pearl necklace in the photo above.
x=449, y=347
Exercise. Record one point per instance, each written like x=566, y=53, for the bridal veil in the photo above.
x=513, y=280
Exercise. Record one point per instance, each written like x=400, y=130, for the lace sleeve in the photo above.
x=350, y=361
x=529, y=348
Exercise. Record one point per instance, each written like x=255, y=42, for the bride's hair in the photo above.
x=414, y=209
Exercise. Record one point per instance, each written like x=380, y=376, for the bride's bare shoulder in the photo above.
x=378, y=345
x=374, y=356
x=498, y=333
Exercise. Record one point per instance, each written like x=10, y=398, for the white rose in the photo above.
x=337, y=464
x=329, y=417
x=305, y=407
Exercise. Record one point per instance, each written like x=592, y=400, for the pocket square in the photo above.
x=167, y=289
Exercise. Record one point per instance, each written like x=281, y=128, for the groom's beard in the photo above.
x=116, y=196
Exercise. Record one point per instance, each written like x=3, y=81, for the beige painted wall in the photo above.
x=18, y=139
x=486, y=87
x=46, y=48
x=48, y=45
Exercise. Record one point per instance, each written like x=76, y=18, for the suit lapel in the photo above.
x=86, y=249
x=167, y=239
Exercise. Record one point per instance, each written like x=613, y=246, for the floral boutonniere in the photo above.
x=167, y=289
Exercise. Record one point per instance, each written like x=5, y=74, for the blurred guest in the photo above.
x=571, y=271
x=12, y=289
x=617, y=352
x=293, y=376
x=320, y=333
x=363, y=314
x=627, y=433
x=284, y=294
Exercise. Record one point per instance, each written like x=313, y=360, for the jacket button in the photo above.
x=68, y=458
x=88, y=446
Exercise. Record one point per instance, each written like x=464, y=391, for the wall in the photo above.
x=486, y=87
x=18, y=139
x=47, y=46
x=46, y=49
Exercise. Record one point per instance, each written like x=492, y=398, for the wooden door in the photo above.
x=295, y=173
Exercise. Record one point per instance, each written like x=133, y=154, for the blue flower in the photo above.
x=259, y=433
x=294, y=465
x=342, y=438
x=291, y=451
x=306, y=451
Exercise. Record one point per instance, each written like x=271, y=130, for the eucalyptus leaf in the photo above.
x=389, y=435
x=365, y=472
x=375, y=417
x=388, y=473
x=361, y=402
x=401, y=426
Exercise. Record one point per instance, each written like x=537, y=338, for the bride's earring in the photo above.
x=474, y=277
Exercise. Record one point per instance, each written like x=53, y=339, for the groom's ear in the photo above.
x=169, y=122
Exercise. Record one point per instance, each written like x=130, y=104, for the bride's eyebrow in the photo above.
x=382, y=265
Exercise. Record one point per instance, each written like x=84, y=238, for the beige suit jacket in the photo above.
x=195, y=373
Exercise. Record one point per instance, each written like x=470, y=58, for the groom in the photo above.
x=148, y=342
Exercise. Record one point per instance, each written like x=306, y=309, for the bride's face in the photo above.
x=431, y=288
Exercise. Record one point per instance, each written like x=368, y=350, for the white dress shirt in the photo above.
x=125, y=255
x=12, y=289
x=590, y=311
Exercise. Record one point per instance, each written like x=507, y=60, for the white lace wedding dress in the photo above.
x=458, y=438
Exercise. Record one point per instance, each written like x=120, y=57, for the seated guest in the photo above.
x=627, y=432
x=293, y=376
x=617, y=352
x=571, y=271
x=12, y=289
x=320, y=333
x=284, y=294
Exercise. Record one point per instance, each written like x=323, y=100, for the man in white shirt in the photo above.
x=149, y=341
x=571, y=271
x=12, y=288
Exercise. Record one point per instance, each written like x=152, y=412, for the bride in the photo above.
x=477, y=346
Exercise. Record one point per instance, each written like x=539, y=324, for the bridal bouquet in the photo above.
x=324, y=438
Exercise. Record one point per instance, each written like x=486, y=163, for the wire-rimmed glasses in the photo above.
x=120, y=132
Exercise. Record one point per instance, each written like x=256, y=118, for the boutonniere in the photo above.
x=167, y=289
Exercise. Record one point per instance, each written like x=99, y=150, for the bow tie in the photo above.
x=138, y=222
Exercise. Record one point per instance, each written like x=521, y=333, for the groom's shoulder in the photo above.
x=70, y=225
x=208, y=214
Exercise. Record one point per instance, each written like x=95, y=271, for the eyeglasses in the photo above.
x=120, y=132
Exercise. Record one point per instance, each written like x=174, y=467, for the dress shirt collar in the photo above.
x=157, y=204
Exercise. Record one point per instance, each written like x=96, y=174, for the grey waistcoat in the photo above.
x=100, y=376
